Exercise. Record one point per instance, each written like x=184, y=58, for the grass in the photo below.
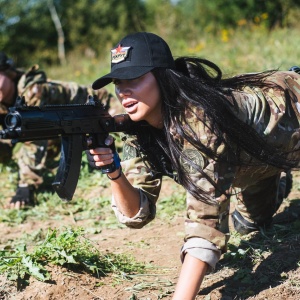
x=250, y=50
x=68, y=248
x=50, y=205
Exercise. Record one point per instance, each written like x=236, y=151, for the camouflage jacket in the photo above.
x=268, y=112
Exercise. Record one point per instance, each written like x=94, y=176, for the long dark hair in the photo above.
x=198, y=83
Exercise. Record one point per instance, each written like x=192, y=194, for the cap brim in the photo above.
x=121, y=73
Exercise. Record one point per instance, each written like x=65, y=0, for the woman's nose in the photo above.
x=124, y=92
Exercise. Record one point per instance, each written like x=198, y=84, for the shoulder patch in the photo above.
x=195, y=156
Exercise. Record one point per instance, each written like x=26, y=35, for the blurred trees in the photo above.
x=98, y=24
x=26, y=29
x=91, y=27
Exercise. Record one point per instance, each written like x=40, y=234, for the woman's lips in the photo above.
x=130, y=106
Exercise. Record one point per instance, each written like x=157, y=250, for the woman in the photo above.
x=209, y=134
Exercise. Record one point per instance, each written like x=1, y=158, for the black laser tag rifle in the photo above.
x=74, y=124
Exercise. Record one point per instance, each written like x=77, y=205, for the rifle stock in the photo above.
x=74, y=124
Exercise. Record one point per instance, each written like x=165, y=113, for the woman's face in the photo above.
x=141, y=99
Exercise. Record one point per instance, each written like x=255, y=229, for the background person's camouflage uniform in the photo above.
x=256, y=187
x=31, y=156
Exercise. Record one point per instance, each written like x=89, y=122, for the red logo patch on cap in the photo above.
x=119, y=54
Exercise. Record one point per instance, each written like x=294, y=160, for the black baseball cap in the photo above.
x=135, y=55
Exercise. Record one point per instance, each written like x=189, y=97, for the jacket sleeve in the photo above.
x=145, y=214
x=148, y=183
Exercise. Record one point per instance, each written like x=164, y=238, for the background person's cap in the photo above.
x=135, y=55
x=5, y=62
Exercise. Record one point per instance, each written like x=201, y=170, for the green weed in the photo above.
x=68, y=248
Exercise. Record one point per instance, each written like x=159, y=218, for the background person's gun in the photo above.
x=74, y=123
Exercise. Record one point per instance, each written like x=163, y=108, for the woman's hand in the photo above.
x=103, y=155
x=100, y=157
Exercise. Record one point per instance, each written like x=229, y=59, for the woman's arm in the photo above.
x=126, y=196
x=190, y=278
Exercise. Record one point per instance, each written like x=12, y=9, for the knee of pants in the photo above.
x=260, y=201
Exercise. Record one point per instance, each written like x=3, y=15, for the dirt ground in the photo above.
x=158, y=244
